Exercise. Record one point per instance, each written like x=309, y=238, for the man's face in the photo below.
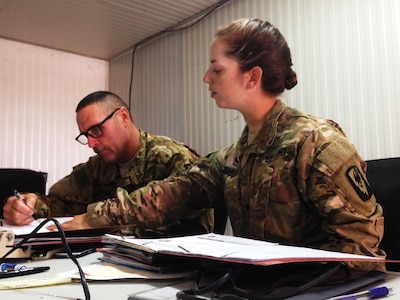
x=109, y=144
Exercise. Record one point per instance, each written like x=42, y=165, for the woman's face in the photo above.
x=226, y=82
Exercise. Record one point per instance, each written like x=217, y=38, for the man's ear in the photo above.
x=125, y=114
x=255, y=77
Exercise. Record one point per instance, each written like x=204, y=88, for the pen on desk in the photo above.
x=373, y=293
x=22, y=272
x=18, y=195
x=6, y=267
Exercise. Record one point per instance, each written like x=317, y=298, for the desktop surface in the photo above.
x=115, y=290
x=118, y=289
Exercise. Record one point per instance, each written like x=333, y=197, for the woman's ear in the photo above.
x=255, y=77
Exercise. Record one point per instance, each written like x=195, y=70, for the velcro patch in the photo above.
x=359, y=183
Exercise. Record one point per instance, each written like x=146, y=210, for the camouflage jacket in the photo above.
x=157, y=158
x=300, y=182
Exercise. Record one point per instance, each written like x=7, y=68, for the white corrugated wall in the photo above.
x=40, y=89
x=345, y=53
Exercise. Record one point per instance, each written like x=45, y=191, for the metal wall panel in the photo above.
x=345, y=53
x=40, y=89
x=101, y=29
x=156, y=101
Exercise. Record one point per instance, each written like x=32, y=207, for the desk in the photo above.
x=115, y=290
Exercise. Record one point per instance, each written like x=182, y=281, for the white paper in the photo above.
x=236, y=249
x=26, y=229
x=108, y=271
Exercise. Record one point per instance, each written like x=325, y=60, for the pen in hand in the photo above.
x=18, y=195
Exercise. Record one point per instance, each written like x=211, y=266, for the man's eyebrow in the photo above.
x=91, y=127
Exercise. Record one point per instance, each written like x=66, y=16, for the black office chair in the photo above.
x=384, y=178
x=23, y=180
x=220, y=219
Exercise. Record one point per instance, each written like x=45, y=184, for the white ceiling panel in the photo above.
x=96, y=28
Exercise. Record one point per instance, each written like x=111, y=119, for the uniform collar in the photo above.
x=138, y=163
x=267, y=133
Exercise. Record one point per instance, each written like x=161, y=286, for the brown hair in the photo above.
x=253, y=42
x=108, y=101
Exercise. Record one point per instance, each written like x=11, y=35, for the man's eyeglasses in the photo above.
x=94, y=131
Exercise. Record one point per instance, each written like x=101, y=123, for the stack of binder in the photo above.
x=121, y=253
x=219, y=248
x=241, y=267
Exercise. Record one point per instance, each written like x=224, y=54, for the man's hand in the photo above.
x=78, y=222
x=18, y=212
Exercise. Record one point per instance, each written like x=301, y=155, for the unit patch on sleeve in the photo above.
x=359, y=183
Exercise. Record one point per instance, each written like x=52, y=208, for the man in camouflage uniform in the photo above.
x=127, y=157
x=291, y=178
x=300, y=182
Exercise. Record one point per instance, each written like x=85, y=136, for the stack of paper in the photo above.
x=230, y=249
x=138, y=259
x=109, y=271
x=45, y=242
x=120, y=251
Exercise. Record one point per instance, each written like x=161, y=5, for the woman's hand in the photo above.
x=78, y=222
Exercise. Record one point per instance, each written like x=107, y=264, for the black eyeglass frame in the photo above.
x=96, y=127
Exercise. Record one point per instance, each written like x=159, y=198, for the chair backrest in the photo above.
x=384, y=178
x=220, y=219
x=23, y=180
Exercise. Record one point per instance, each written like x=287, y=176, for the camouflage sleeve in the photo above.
x=68, y=196
x=338, y=190
x=160, y=202
x=152, y=206
x=171, y=159
x=165, y=158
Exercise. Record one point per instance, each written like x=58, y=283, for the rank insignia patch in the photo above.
x=359, y=183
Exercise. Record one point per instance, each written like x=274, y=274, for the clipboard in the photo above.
x=7, y=241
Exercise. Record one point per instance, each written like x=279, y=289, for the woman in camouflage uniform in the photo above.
x=291, y=178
